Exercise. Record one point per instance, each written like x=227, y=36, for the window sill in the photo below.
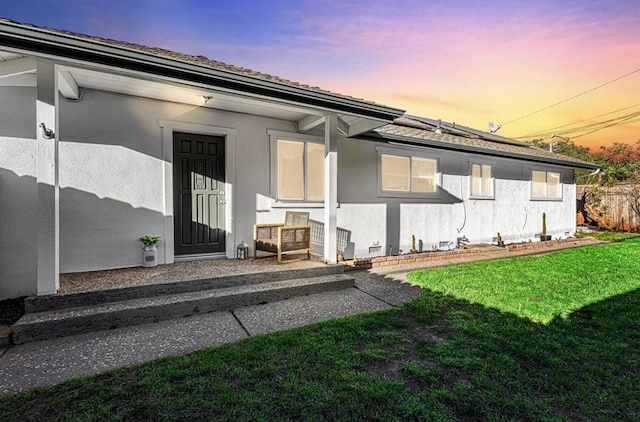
x=408, y=195
x=297, y=204
x=547, y=199
x=482, y=198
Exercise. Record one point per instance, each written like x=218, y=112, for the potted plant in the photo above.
x=499, y=240
x=149, y=250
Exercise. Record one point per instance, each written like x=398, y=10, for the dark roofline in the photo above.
x=74, y=47
x=377, y=136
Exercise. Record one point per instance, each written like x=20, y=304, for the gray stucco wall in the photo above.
x=111, y=174
x=112, y=187
x=453, y=213
x=18, y=192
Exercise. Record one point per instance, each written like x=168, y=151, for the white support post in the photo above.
x=330, y=188
x=48, y=214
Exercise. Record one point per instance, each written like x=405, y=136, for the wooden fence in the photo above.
x=614, y=207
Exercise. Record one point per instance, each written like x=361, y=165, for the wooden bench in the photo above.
x=291, y=237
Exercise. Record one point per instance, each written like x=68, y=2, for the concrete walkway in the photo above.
x=50, y=362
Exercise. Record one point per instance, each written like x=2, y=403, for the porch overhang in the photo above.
x=58, y=45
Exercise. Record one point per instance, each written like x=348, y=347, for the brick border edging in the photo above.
x=413, y=258
x=549, y=243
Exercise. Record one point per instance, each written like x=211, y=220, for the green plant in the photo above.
x=499, y=238
x=544, y=224
x=148, y=239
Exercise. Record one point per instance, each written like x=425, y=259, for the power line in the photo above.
x=571, y=98
x=612, y=124
x=599, y=124
x=551, y=130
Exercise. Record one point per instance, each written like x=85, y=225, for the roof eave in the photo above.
x=43, y=42
x=479, y=150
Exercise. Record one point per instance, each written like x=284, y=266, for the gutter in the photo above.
x=43, y=42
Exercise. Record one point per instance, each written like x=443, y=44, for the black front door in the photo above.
x=198, y=194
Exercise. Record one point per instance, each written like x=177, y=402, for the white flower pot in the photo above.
x=149, y=256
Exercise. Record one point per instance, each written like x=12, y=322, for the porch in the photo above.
x=82, y=282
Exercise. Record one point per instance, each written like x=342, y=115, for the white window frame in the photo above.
x=274, y=136
x=546, y=183
x=481, y=163
x=409, y=153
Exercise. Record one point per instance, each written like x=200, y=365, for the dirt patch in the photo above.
x=11, y=310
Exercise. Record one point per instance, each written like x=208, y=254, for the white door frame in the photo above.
x=168, y=128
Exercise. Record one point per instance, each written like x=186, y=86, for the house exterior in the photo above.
x=103, y=141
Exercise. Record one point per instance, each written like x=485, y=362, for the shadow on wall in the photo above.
x=18, y=253
x=393, y=210
x=95, y=233
x=100, y=233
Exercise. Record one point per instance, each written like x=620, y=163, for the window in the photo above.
x=300, y=170
x=482, y=180
x=545, y=185
x=402, y=173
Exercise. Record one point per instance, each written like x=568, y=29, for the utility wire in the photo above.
x=612, y=124
x=599, y=124
x=548, y=131
x=571, y=98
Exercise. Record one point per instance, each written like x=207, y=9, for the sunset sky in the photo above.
x=538, y=67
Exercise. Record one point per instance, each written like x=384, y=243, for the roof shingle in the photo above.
x=426, y=137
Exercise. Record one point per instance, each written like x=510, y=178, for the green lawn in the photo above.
x=552, y=337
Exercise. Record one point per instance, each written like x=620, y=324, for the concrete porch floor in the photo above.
x=168, y=273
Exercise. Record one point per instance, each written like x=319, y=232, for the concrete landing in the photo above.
x=48, y=318
x=48, y=362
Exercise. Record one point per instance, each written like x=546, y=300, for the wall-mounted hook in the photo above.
x=47, y=133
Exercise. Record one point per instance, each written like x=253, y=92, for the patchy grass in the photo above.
x=541, y=287
x=608, y=236
x=440, y=357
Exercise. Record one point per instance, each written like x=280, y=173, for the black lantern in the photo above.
x=242, y=252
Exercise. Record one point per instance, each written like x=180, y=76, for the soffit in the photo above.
x=139, y=85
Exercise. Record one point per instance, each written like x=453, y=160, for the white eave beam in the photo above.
x=312, y=121
x=364, y=125
x=25, y=80
x=17, y=67
x=309, y=122
x=68, y=86
x=343, y=127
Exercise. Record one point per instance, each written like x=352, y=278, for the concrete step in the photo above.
x=5, y=335
x=48, y=303
x=113, y=314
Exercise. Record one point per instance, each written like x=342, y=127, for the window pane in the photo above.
x=395, y=173
x=487, y=181
x=290, y=170
x=553, y=185
x=423, y=175
x=315, y=172
x=538, y=184
x=476, y=179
